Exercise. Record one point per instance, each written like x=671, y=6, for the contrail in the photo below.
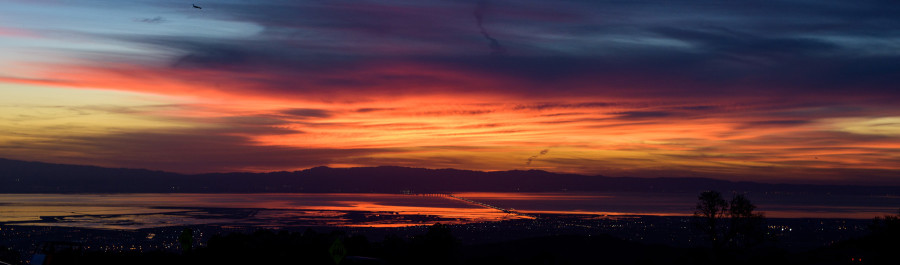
x=532, y=158
x=496, y=48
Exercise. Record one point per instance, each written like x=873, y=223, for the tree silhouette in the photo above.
x=746, y=227
x=733, y=223
x=711, y=209
x=887, y=225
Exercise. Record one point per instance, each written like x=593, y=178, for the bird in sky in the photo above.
x=197, y=7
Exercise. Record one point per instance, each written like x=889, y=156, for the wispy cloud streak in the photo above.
x=532, y=158
x=642, y=88
x=480, y=9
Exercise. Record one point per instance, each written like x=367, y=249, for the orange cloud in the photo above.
x=429, y=116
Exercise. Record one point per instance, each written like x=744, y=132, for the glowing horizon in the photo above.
x=605, y=88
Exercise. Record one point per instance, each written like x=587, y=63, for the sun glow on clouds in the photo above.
x=247, y=86
x=887, y=126
x=474, y=131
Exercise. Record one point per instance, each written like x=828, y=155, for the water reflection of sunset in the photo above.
x=134, y=211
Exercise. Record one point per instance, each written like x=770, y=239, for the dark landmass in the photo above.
x=36, y=177
x=440, y=244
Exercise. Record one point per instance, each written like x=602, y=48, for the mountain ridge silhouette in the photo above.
x=38, y=177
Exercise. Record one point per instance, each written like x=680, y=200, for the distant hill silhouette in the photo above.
x=36, y=177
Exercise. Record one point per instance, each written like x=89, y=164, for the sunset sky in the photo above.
x=795, y=91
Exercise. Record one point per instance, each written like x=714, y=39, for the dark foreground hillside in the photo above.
x=438, y=245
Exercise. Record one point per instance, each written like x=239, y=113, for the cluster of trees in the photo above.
x=731, y=223
x=735, y=232
x=888, y=225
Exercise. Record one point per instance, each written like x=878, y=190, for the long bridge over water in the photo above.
x=473, y=202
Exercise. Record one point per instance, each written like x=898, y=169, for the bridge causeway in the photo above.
x=473, y=202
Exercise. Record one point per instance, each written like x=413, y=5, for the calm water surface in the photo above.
x=134, y=211
x=680, y=204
